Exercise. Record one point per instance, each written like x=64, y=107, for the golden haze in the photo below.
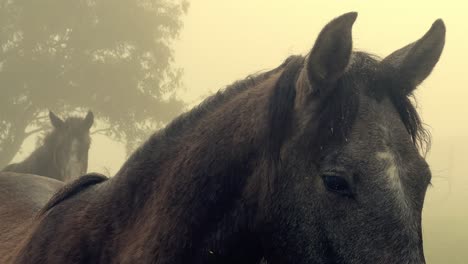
x=223, y=41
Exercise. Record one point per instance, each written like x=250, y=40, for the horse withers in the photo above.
x=64, y=153
x=316, y=161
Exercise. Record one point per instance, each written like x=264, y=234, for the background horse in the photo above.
x=22, y=196
x=316, y=161
x=64, y=154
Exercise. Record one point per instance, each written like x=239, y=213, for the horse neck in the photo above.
x=185, y=187
x=40, y=162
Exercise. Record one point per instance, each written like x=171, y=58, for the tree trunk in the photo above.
x=10, y=146
x=13, y=141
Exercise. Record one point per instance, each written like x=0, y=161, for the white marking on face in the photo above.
x=393, y=172
x=394, y=180
x=391, y=168
x=389, y=159
x=74, y=167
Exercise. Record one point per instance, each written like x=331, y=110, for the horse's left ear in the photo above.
x=415, y=61
x=89, y=120
x=327, y=60
x=330, y=55
x=55, y=120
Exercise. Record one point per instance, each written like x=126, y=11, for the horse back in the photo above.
x=11, y=167
x=73, y=188
x=22, y=196
x=29, y=198
x=25, y=192
x=52, y=223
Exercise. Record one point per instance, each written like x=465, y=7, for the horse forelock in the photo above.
x=365, y=74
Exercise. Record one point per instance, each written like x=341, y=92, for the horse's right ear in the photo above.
x=55, y=120
x=331, y=53
x=415, y=61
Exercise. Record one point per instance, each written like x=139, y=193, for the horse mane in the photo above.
x=281, y=105
x=189, y=119
x=73, y=189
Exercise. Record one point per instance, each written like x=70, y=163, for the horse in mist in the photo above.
x=64, y=153
x=62, y=157
x=316, y=161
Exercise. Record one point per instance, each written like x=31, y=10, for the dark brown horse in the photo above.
x=316, y=161
x=64, y=154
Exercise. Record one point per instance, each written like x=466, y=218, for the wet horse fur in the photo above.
x=316, y=161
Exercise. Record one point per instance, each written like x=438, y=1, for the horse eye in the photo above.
x=336, y=184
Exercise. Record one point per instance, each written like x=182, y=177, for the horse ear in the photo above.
x=330, y=55
x=415, y=61
x=55, y=120
x=89, y=120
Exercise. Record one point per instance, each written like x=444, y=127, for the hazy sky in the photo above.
x=225, y=40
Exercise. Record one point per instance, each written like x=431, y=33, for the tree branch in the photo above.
x=34, y=131
x=100, y=130
x=41, y=117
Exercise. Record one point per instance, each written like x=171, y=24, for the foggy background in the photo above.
x=222, y=41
